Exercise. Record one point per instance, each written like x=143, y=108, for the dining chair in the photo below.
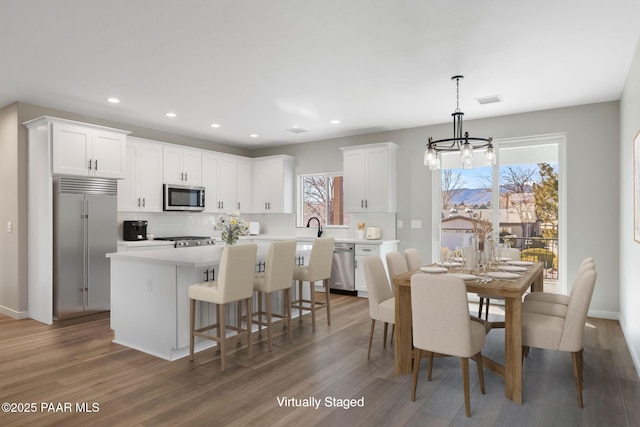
x=235, y=283
x=563, y=333
x=395, y=264
x=514, y=255
x=413, y=259
x=442, y=325
x=277, y=276
x=555, y=304
x=382, y=303
x=319, y=268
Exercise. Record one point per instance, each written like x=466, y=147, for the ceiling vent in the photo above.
x=296, y=130
x=489, y=99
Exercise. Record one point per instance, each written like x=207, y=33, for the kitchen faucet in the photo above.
x=319, y=226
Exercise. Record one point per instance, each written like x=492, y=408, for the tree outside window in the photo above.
x=323, y=197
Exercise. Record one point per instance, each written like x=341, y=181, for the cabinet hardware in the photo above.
x=238, y=205
x=366, y=203
x=181, y=176
x=269, y=204
x=206, y=275
x=265, y=206
x=96, y=164
x=361, y=203
x=144, y=203
x=138, y=201
x=366, y=250
x=89, y=164
x=185, y=177
x=213, y=274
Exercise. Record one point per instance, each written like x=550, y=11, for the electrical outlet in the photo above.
x=399, y=223
x=149, y=285
x=9, y=227
x=416, y=223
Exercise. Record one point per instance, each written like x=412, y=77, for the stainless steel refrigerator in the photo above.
x=85, y=230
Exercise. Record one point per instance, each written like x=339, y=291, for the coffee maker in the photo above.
x=134, y=230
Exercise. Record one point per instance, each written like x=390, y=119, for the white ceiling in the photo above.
x=258, y=66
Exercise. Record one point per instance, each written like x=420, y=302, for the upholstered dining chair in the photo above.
x=395, y=264
x=319, y=268
x=382, y=303
x=555, y=304
x=441, y=324
x=413, y=259
x=235, y=283
x=514, y=255
x=563, y=333
x=278, y=276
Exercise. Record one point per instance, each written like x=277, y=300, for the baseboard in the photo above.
x=13, y=313
x=601, y=314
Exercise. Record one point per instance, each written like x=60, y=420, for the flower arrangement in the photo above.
x=481, y=228
x=232, y=227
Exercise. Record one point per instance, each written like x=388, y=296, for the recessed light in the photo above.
x=489, y=99
x=215, y=125
x=172, y=115
x=113, y=100
x=254, y=135
x=335, y=122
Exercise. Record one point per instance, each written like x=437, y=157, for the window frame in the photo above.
x=300, y=200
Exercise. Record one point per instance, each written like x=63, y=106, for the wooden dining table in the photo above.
x=511, y=290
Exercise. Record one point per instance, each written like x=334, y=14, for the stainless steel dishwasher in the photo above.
x=343, y=268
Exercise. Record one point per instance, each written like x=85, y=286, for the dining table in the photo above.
x=511, y=290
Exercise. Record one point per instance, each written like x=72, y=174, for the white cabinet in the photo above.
x=182, y=166
x=370, y=178
x=227, y=182
x=87, y=150
x=364, y=250
x=141, y=190
x=273, y=179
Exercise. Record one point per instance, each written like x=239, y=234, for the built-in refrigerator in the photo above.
x=85, y=230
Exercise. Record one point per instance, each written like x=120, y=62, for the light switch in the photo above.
x=399, y=223
x=416, y=223
x=9, y=227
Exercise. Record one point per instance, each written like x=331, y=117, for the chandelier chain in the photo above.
x=457, y=95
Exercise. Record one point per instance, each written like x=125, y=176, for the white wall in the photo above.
x=592, y=173
x=629, y=248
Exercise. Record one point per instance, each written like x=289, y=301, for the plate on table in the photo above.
x=433, y=269
x=450, y=264
x=520, y=263
x=463, y=276
x=511, y=268
x=502, y=275
x=503, y=259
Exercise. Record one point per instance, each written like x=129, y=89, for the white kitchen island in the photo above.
x=149, y=300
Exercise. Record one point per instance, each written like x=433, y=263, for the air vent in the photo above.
x=489, y=99
x=296, y=130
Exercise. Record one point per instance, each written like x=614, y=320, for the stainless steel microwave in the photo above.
x=183, y=198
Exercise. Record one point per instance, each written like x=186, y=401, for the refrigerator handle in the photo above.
x=85, y=252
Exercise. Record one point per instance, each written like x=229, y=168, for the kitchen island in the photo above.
x=149, y=300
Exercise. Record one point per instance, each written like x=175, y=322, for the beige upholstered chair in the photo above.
x=554, y=304
x=278, y=276
x=514, y=255
x=319, y=268
x=382, y=303
x=441, y=324
x=563, y=333
x=395, y=264
x=235, y=283
x=412, y=256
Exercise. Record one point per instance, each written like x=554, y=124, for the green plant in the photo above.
x=544, y=256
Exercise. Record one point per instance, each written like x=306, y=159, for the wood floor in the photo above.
x=76, y=363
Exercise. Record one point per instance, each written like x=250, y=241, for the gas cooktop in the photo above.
x=187, y=241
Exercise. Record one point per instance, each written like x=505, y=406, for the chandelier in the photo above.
x=460, y=142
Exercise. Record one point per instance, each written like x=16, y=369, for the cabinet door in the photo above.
x=361, y=285
x=149, y=177
x=108, y=154
x=172, y=166
x=210, y=182
x=261, y=186
x=227, y=184
x=127, y=187
x=71, y=149
x=243, y=186
x=191, y=166
x=354, y=181
x=377, y=181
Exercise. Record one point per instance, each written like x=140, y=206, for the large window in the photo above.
x=322, y=196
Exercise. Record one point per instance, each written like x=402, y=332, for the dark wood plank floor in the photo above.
x=75, y=362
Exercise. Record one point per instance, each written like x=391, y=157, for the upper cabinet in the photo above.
x=82, y=149
x=141, y=190
x=227, y=182
x=273, y=179
x=370, y=177
x=182, y=165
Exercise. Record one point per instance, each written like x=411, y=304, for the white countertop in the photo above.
x=194, y=257
x=262, y=237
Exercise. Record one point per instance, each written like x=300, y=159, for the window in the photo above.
x=322, y=196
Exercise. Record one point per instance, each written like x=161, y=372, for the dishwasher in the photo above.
x=343, y=268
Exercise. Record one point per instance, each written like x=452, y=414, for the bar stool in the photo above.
x=319, y=268
x=278, y=276
x=235, y=283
